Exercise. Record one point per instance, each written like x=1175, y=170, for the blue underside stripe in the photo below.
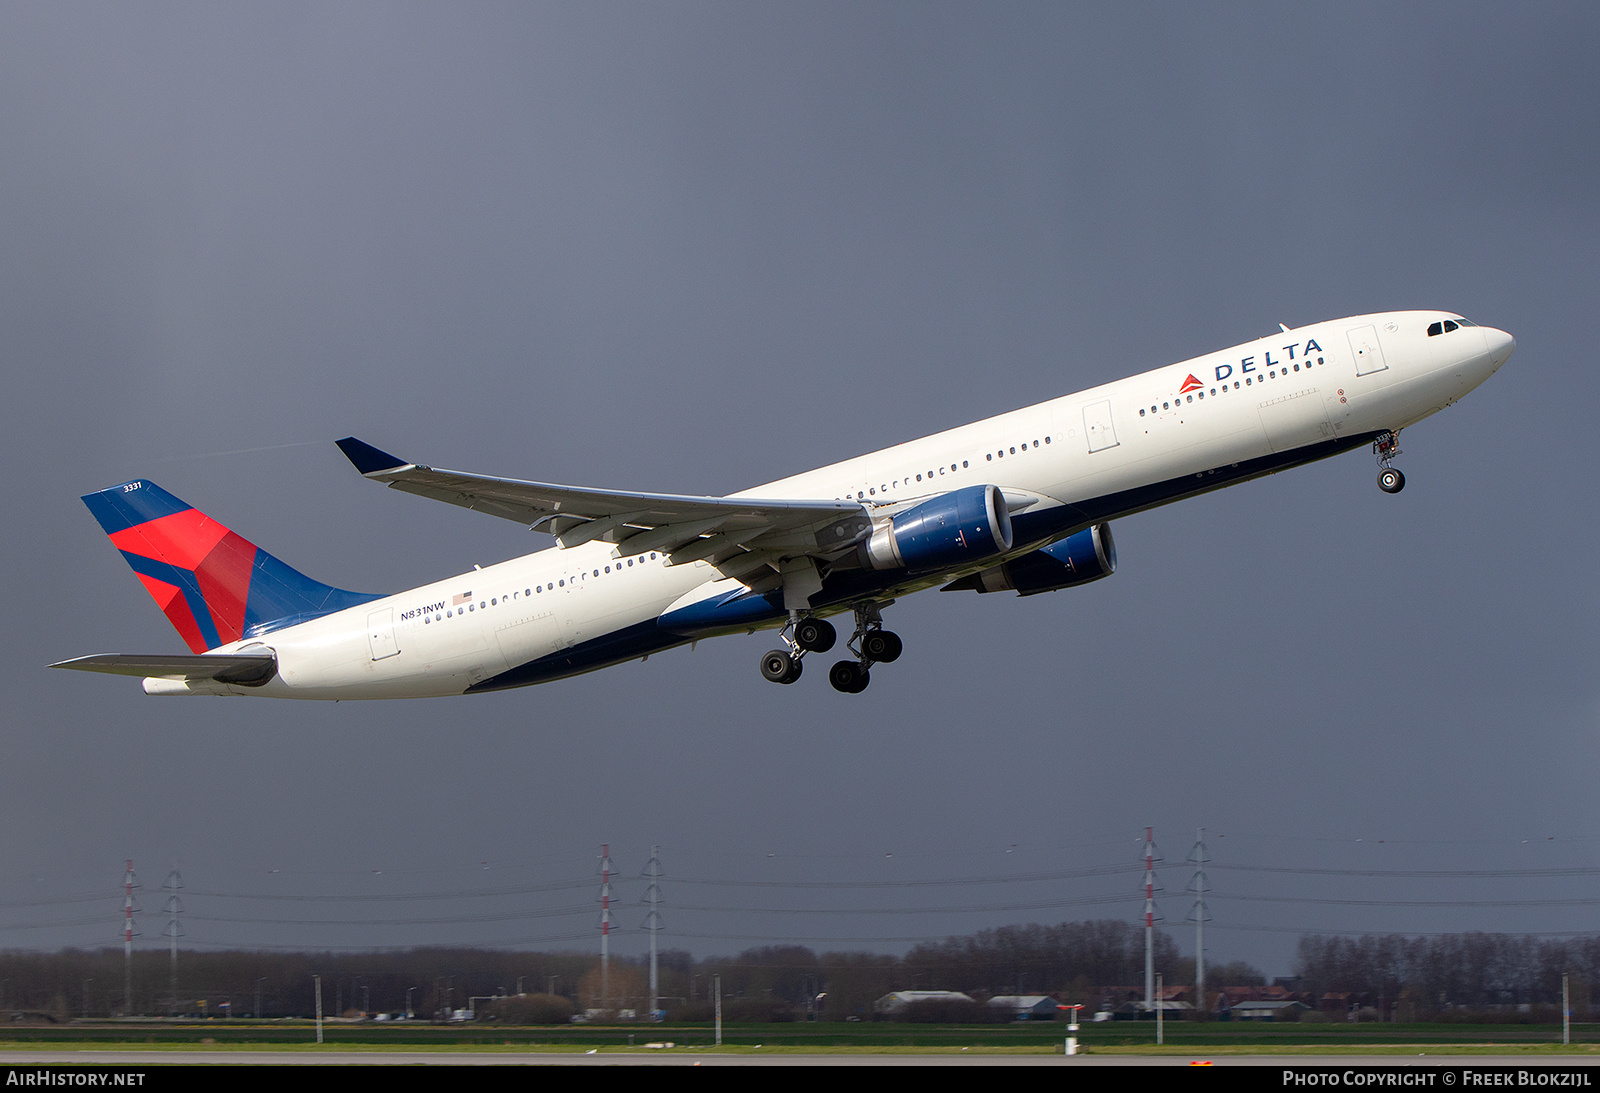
x=846, y=586
x=629, y=643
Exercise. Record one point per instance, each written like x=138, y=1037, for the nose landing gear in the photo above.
x=1386, y=447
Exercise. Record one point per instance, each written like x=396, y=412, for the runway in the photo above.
x=139, y=1060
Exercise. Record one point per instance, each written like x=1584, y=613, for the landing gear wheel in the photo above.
x=849, y=677
x=815, y=635
x=881, y=646
x=779, y=667
x=1386, y=447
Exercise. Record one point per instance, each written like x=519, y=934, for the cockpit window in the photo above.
x=1447, y=326
x=1435, y=329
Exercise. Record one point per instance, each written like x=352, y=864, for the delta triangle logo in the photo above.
x=1190, y=384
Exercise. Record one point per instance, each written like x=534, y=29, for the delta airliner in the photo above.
x=1020, y=502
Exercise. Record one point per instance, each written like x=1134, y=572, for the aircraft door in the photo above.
x=1365, y=347
x=1097, y=426
x=574, y=622
x=380, y=634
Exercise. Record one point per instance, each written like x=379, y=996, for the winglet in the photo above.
x=368, y=460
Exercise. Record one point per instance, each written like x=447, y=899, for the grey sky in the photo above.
x=695, y=247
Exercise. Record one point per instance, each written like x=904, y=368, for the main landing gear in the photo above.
x=870, y=643
x=802, y=636
x=1386, y=447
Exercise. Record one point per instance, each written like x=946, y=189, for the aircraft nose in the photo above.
x=1500, y=345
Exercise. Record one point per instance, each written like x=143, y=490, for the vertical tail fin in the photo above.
x=214, y=586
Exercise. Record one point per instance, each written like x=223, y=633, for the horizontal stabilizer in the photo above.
x=239, y=669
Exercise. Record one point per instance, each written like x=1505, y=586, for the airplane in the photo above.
x=1021, y=502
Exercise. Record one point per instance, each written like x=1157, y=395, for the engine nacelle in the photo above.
x=1077, y=559
x=956, y=528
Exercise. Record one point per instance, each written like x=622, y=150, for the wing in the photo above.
x=739, y=535
x=244, y=670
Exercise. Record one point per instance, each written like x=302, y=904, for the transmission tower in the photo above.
x=130, y=884
x=652, y=921
x=1199, y=915
x=1151, y=857
x=605, y=924
x=174, y=908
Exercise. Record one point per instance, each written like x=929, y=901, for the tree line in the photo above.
x=1414, y=977
x=1089, y=963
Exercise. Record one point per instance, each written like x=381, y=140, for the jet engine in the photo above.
x=1077, y=559
x=962, y=526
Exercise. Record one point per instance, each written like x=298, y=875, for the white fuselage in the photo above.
x=1101, y=453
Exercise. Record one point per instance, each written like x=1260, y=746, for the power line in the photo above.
x=1043, y=905
x=229, y=946
x=99, y=921
x=1014, y=878
x=98, y=897
x=510, y=916
x=1568, y=871
x=1575, y=902
x=1306, y=931
x=482, y=893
